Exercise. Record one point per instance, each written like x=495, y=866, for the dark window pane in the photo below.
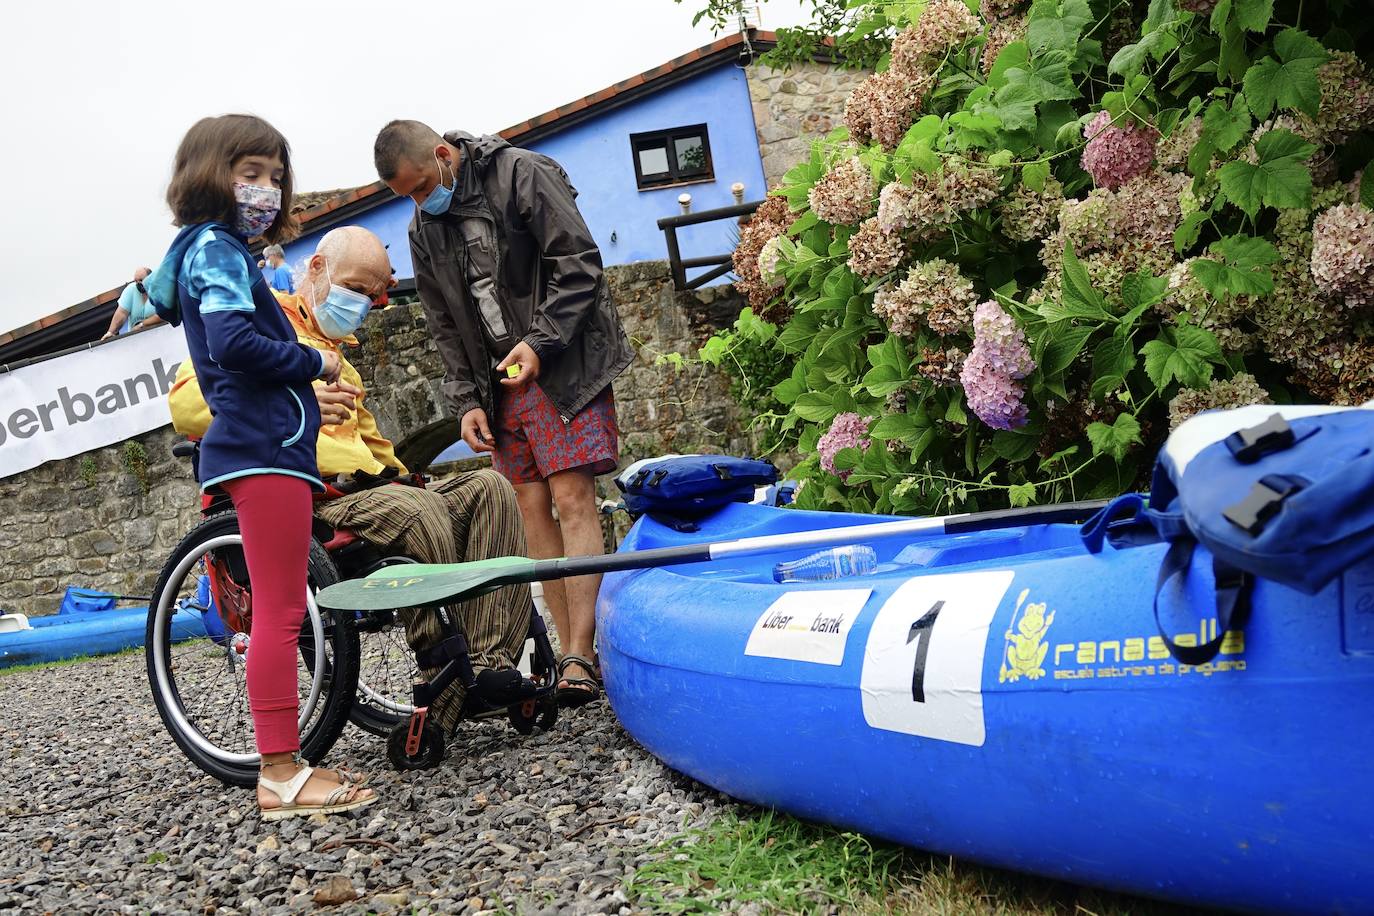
x=653, y=160
x=691, y=154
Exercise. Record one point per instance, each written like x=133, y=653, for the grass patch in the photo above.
x=63, y=662
x=775, y=861
x=771, y=863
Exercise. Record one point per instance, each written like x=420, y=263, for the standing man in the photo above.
x=133, y=307
x=513, y=291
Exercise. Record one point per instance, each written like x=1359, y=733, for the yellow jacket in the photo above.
x=351, y=446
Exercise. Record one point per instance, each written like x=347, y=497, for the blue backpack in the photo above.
x=686, y=487
x=1282, y=493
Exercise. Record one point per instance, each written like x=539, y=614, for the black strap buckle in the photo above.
x=1263, y=502
x=1253, y=443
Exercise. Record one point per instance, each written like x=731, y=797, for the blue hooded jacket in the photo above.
x=254, y=375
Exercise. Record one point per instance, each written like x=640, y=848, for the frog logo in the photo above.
x=1026, y=646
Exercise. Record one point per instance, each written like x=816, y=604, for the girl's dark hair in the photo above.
x=201, y=189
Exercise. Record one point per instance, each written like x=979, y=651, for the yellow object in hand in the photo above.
x=513, y=370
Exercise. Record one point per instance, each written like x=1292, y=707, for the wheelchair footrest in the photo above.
x=416, y=730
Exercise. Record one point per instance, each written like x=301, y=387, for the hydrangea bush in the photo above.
x=1048, y=232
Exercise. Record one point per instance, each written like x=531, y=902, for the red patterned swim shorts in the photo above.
x=533, y=442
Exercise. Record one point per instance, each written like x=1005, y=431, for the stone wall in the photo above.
x=108, y=519
x=793, y=107
x=105, y=519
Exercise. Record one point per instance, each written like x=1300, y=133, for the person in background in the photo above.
x=275, y=270
x=513, y=291
x=133, y=307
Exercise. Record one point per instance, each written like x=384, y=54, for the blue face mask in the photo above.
x=342, y=312
x=437, y=203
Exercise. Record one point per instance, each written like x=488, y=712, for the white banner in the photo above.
x=97, y=397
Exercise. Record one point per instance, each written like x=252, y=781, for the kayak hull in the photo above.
x=61, y=636
x=1004, y=697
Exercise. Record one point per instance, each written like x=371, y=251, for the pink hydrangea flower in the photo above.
x=990, y=374
x=1115, y=155
x=847, y=430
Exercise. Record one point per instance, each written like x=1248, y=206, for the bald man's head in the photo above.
x=350, y=257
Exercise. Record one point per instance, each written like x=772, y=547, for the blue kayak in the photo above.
x=55, y=637
x=1004, y=696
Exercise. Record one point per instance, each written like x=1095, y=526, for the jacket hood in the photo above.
x=478, y=148
x=161, y=284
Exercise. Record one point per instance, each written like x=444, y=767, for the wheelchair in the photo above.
x=351, y=666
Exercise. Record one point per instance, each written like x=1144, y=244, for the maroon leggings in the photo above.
x=274, y=517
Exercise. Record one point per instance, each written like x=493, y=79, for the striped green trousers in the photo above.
x=473, y=516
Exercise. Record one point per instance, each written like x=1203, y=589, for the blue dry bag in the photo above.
x=84, y=600
x=691, y=486
x=1283, y=493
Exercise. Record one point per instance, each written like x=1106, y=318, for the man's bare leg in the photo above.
x=545, y=541
x=574, y=492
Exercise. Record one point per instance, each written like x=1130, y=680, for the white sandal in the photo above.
x=343, y=798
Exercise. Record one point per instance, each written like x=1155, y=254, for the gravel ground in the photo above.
x=99, y=811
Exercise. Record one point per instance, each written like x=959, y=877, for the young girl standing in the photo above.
x=232, y=182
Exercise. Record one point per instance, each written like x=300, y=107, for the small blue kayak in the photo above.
x=73, y=634
x=1004, y=696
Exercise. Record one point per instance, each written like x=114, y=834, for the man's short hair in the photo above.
x=409, y=141
x=274, y=251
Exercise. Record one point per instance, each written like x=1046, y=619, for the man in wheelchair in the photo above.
x=473, y=516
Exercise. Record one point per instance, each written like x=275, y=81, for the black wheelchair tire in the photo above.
x=340, y=680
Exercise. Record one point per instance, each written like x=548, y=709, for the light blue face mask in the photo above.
x=342, y=312
x=436, y=204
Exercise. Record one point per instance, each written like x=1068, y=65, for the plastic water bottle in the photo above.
x=835, y=563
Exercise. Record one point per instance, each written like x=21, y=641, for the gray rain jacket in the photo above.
x=513, y=260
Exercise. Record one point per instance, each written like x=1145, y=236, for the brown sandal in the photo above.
x=579, y=690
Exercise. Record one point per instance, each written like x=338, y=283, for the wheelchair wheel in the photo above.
x=541, y=713
x=429, y=754
x=196, y=650
x=387, y=670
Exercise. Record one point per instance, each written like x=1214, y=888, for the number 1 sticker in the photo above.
x=923, y=664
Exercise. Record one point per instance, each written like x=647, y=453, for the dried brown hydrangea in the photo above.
x=942, y=26
x=846, y=194
x=1241, y=390
x=942, y=367
x=933, y=292
x=1028, y=215
x=770, y=220
x=873, y=252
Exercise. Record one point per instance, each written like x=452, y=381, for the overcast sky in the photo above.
x=97, y=95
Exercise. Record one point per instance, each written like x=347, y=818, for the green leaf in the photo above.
x=1062, y=352
x=1055, y=25
x=1013, y=106
x=1224, y=127
x=1367, y=187
x=1113, y=360
x=803, y=223
x=1114, y=440
x=713, y=351
x=1290, y=81
x=1143, y=289
x=1185, y=236
x=1078, y=293
x=1253, y=15
x=1035, y=174
x=1021, y=494
x=1280, y=179
x=1046, y=76
x=954, y=413
x=1013, y=55
x=1242, y=270
x=1013, y=446
x=815, y=407
x=880, y=381
x=1189, y=361
x=847, y=459
x=787, y=391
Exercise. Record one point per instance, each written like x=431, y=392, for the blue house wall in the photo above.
x=597, y=156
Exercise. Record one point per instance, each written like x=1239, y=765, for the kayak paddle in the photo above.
x=423, y=585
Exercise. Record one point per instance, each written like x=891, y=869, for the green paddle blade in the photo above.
x=423, y=585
